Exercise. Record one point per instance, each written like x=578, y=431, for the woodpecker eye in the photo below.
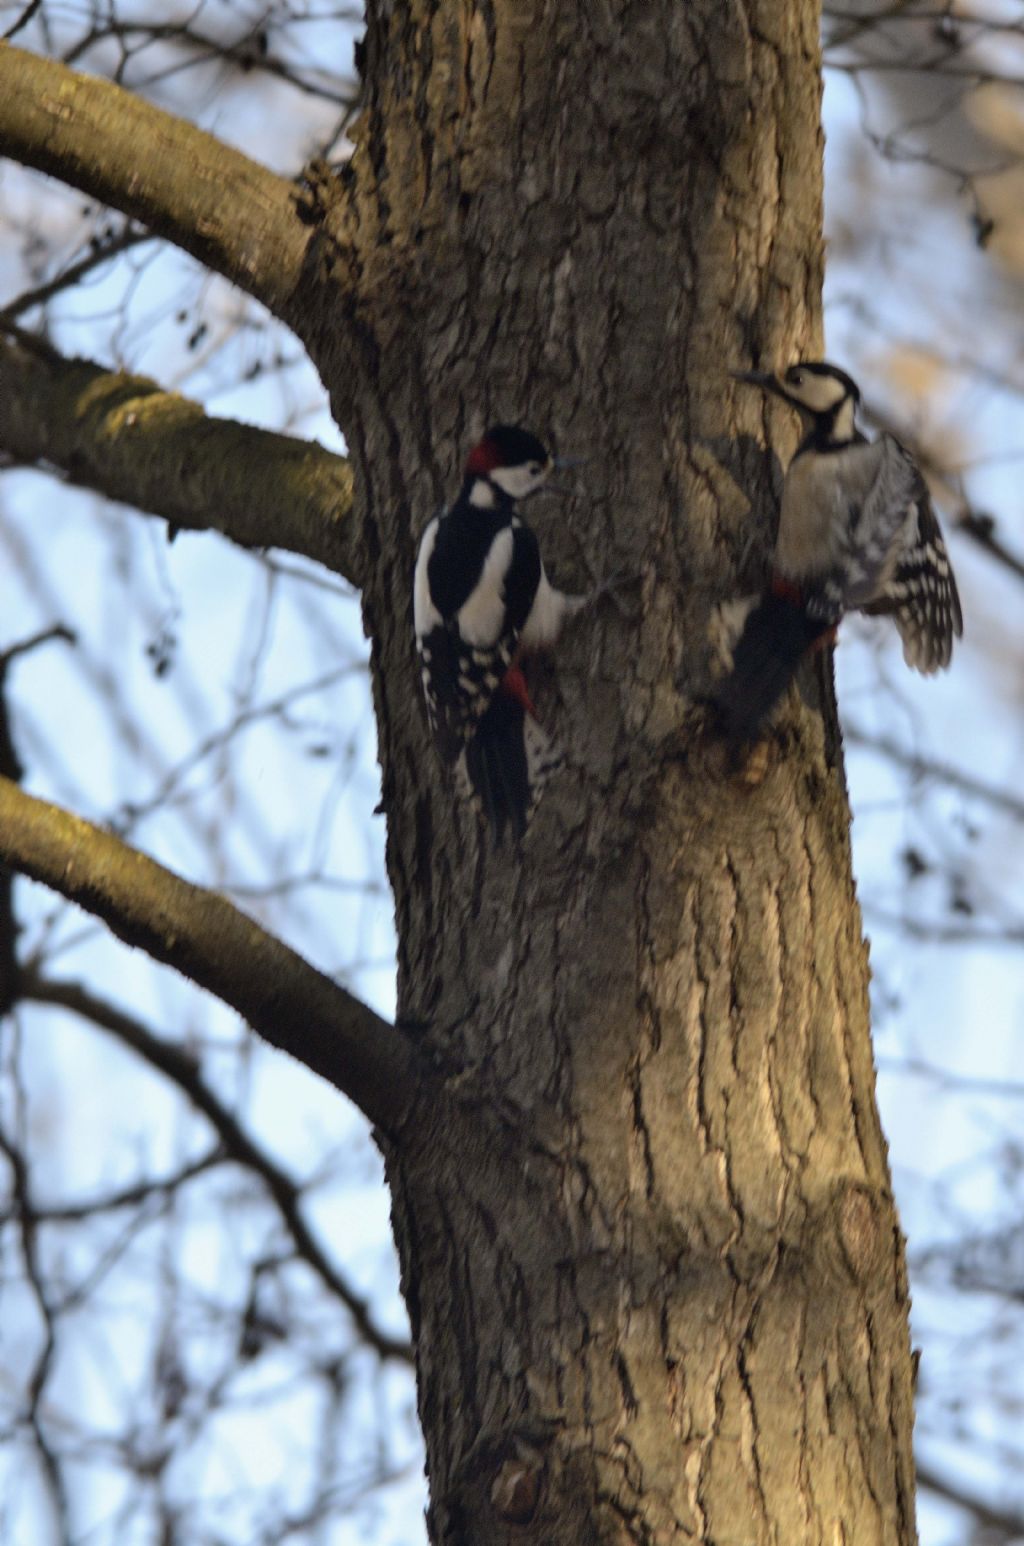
x=534, y=469
x=795, y=377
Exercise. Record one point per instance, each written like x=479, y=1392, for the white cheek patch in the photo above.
x=820, y=393
x=517, y=482
x=481, y=495
x=843, y=428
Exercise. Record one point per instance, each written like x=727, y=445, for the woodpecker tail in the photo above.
x=509, y=759
x=776, y=635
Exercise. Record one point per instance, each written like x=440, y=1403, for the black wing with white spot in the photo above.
x=899, y=566
x=921, y=594
x=459, y=682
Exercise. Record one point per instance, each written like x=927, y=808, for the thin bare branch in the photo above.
x=249, y=51
x=233, y=215
x=183, y=1070
x=24, y=19
x=202, y=935
x=1004, y=1524
x=129, y=1196
x=10, y=767
x=24, y=1212
x=126, y=438
x=982, y=530
x=943, y=772
x=936, y=933
x=947, y=1079
x=102, y=252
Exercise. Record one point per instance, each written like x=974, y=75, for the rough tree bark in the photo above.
x=643, y=1206
x=648, y=1243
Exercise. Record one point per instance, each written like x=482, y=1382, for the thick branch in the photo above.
x=234, y=215
x=287, y=1001
x=124, y=437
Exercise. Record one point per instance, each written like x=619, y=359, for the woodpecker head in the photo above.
x=822, y=394
x=509, y=463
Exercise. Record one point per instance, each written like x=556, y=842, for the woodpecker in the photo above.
x=481, y=598
x=857, y=532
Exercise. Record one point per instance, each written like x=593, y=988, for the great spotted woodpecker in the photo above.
x=857, y=532
x=481, y=598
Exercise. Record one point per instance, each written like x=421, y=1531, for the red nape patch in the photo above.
x=786, y=590
x=483, y=459
x=513, y=685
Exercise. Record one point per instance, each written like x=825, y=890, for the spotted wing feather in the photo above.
x=913, y=583
x=922, y=598
x=459, y=682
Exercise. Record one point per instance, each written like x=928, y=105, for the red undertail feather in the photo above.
x=513, y=685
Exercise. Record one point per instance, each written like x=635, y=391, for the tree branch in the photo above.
x=24, y=1212
x=982, y=529
x=102, y=252
x=1005, y=1522
x=183, y=1070
x=925, y=767
x=133, y=1196
x=124, y=437
x=233, y=215
x=288, y=1002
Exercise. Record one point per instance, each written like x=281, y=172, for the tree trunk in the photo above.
x=648, y=1240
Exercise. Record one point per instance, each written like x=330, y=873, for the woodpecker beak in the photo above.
x=562, y=464
x=759, y=378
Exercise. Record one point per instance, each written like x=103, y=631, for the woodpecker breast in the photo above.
x=822, y=494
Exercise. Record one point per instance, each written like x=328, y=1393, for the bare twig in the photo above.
x=927, y=768
x=183, y=1071
x=1009, y=1524
x=23, y=20
x=128, y=1196
x=982, y=530
x=25, y=1214
x=122, y=241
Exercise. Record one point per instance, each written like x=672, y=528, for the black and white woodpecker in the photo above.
x=857, y=532
x=481, y=598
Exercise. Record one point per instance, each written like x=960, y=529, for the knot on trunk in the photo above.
x=857, y=1226
x=515, y=1489
x=502, y=1477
